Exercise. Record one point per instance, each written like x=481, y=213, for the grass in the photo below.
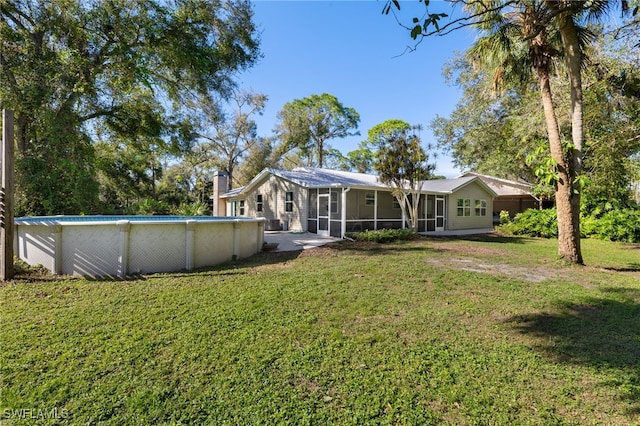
x=433, y=331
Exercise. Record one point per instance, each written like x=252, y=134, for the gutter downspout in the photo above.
x=343, y=222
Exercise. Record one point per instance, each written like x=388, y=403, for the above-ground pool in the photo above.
x=123, y=245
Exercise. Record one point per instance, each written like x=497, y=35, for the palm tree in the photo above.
x=519, y=39
x=525, y=35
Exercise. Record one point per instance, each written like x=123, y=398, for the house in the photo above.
x=333, y=202
x=512, y=196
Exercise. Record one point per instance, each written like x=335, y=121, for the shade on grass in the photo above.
x=455, y=331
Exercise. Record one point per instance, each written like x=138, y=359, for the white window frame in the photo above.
x=333, y=201
x=463, y=207
x=369, y=198
x=288, y=203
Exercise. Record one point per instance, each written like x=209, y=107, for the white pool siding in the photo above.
x=122, y=246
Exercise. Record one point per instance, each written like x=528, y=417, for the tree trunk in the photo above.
x=568, y=239
x=573, y=61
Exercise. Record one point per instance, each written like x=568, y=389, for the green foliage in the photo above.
x=383, y=235
x=57, y=177
x=503, y=134
x=124, y=71
x=230, y=136
x=307, y=124
x=149, y=206
x=614, y=225
x=194, y=209
x=402, y=163
x=535, y=223
x=378, y=135
x=504, y=217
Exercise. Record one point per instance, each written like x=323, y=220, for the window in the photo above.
x=334, y=202
x=396, y=204
x=481, y=207
x=241, y=207
x=464, y=207
x=258, y=202
x=288, y=201
x=370, y=199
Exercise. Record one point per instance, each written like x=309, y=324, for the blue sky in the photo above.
x=351, y=50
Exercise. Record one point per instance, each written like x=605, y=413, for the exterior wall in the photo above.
x=473, y=192
x=273, y=191
x=220, y=186
x=514, y=205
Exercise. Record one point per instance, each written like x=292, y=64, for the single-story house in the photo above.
x=333, y=202
x=512, y=196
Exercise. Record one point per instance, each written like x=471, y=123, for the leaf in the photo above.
x=397, y=4
x=416, y=31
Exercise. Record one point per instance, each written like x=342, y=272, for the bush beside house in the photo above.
x=615, y=225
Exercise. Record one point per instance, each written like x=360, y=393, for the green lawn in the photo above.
x=435, y=331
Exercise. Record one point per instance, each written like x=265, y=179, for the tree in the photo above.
x=503, y=133
x=69, y=68
x=362, y=159
x=379, y=135
x=402, y=163
x=259, y=157
x=233, y=135
x=359, y=160
x=490, y=132
x=519, y=36
x=307, y=124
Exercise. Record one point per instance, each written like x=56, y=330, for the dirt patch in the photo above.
x=471, y=249
x=535, y=275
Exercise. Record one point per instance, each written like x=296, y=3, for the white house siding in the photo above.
x=273, y=191
x=473, y=191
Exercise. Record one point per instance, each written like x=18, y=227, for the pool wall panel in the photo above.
x=90, y=250
x=124, y=247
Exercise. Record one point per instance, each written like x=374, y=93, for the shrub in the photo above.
x=193, y=209
x=383, y=235
x=615, y=225
x=504, y=217
x=149, y=206
x=535, y=223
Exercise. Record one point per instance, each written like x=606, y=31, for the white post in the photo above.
x=236, y=240
x=190, y=244
x=123, y=260
x=57, y=256
x=343, y=207
x=260, y=241
x=375, y=210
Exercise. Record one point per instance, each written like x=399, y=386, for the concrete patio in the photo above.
x=293, y=241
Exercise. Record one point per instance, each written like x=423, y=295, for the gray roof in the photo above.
x=446, y=186
x=504, y=187
x=310, y=177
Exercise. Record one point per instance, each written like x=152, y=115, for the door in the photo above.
x=323, y=215
x=439, y=213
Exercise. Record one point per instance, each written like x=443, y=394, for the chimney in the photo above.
x=220, y=180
